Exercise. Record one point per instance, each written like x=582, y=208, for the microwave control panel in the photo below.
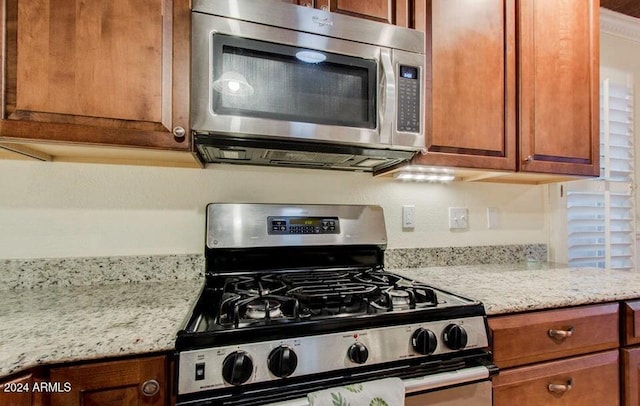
x=408, y=99
x=303, y=225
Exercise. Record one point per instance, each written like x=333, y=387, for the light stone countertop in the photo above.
x=59, y=324
x=56, y=324
x=512, y=288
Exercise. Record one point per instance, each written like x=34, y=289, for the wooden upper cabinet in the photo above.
x=558, y=86
x=99, y=72
x=469, y=83
x=132, y=382
x=386, y=11
x=474, y=119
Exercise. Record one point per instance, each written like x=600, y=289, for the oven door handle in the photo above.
x=443, y=379
x=423, y=383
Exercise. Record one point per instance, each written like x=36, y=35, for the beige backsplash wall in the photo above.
x=78, y=210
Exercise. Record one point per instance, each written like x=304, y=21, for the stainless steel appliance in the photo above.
x=297, y=299
x=281, y=84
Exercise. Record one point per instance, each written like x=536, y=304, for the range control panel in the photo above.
x=303, y=225
x=409, y=99
x=234, y=365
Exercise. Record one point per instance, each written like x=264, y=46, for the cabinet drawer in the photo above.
x=631, y=322
x=583, y=380
x=541, y=336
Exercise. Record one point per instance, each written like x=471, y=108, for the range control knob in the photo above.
x=237, y=368
x=282, y=361
x=358, y=353
x=424, y=341
x=455, y=336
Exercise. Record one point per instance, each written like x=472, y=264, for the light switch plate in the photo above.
x=458, y=218
x=408, y=216
x=492, y=217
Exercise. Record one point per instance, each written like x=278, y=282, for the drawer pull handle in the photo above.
x=561, y=334
x=558, y=388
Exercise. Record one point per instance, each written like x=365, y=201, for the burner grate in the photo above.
x=296, y=295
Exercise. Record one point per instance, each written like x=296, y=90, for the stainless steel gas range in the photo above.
x=297, y=299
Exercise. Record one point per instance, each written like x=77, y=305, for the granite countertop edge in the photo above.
x=57, y=325
x=71, y=324
x=515, y=288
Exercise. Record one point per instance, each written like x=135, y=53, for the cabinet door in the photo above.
x=114, y=383
x=578, y=381
x=558, y=86
x=469, y=83
x=18, y=392
x=386, y=11
x=631, y=376
x=101, y=72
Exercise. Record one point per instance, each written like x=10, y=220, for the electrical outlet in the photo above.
x=458, y=218
x=408, y=216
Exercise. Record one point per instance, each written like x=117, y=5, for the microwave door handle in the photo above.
x=388, y=97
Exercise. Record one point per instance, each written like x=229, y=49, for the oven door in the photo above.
x=253, y=80
x=465, y=387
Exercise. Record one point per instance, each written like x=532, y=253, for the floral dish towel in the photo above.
x=383, y=392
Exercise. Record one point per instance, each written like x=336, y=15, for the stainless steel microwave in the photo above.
x=280, y=84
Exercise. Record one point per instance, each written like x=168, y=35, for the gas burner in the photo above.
x=263, y=309
x=400, y=299
x=238, y=310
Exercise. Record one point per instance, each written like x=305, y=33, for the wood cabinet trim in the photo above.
x=631, y=322
x=630, y=376
x=12, y=130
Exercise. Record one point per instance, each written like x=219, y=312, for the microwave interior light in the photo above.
x=311, y=56
x=233, y=84
x=232, y=154
x=371, y=162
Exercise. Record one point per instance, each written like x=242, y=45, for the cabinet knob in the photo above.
x=561, y=334
x=560, y=388
x=150, y=387
x=529, y=158
x=179, y=132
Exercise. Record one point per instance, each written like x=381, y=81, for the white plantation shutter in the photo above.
x=601, y=212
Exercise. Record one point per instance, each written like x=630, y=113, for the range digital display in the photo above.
x=305, y=222
x=303, y=225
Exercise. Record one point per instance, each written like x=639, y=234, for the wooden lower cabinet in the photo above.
x=141, y=381
x=584, y=380
x=630, y=376
x=19, y=392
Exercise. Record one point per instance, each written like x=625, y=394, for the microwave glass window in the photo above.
x=288, y=83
